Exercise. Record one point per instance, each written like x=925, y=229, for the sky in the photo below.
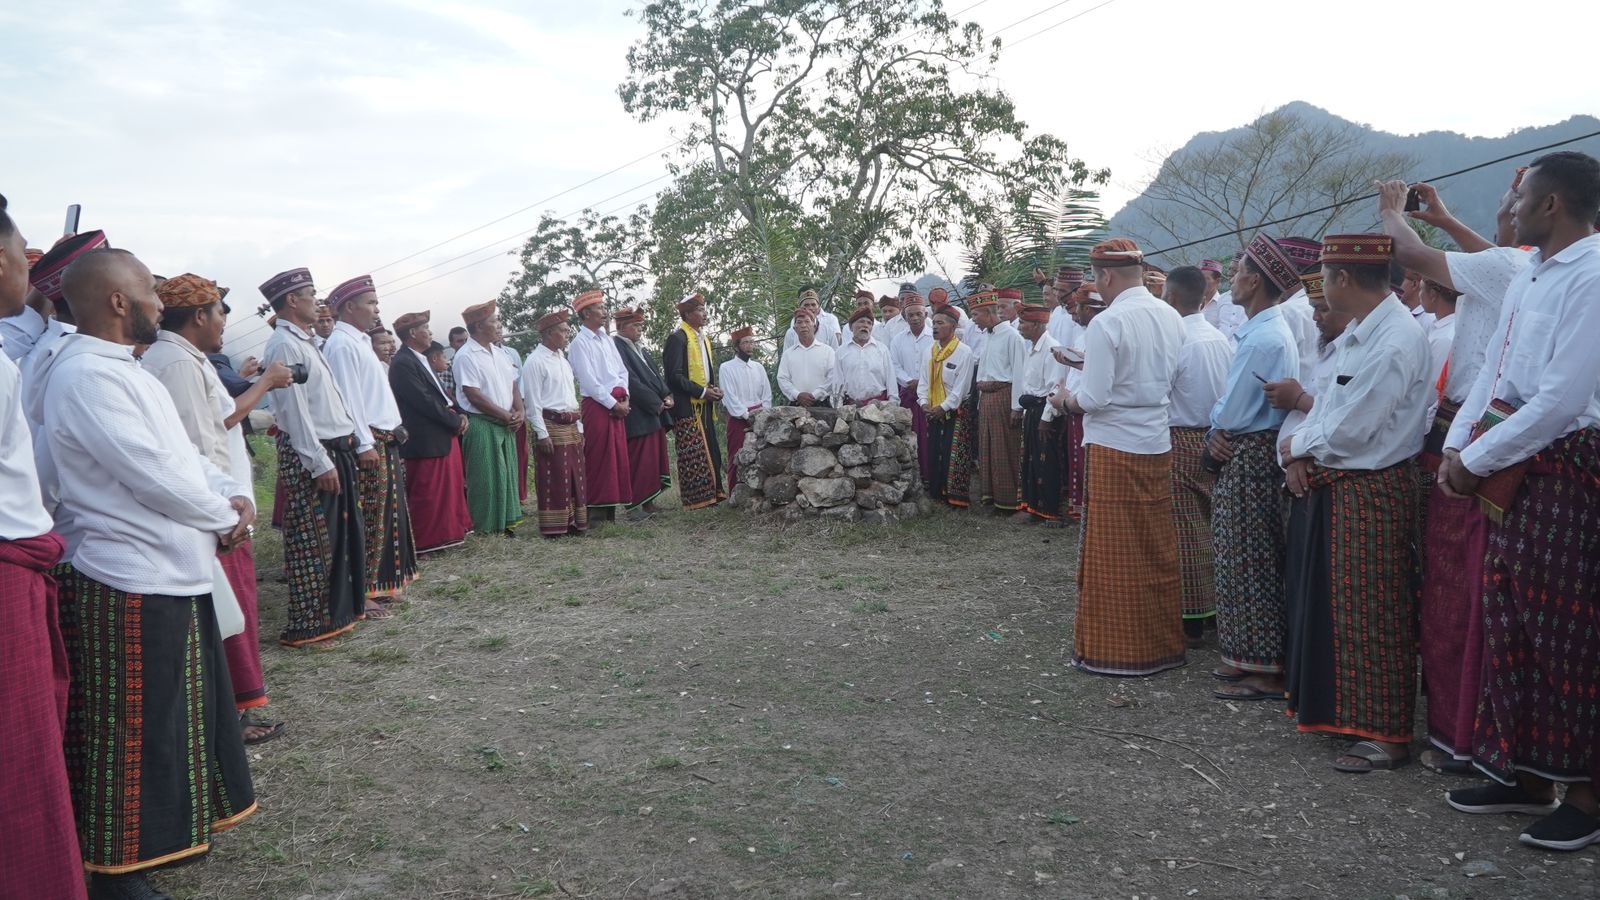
x=237, y=140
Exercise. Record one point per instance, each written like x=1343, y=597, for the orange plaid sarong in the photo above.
x=1130, y=596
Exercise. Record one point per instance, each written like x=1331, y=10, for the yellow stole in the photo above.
x=699, y=366
x=936, y=370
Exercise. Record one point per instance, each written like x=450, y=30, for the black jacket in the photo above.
x=646, y=390
x=430, y=420
x=676, y=359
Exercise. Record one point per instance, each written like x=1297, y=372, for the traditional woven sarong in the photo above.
x=940, y=444
x=1076, y=460
x=649, y=472
x=1248, y=506
x=559, y=479
x=1539, y=710
x=919, y=425
x=699, y=480
x=39, y=851
x=521, y=437
x=605, y=457
x=1352, y=645
x=391, y=552
x=324, y=548
x=489, y=451
x=153, y=746
x=1191, y=511
x=436, y=495
x=1041, y=462
x=1130, y=604
x=963, y=439
x=999, y=451
x=736, y=432
x=243, y=650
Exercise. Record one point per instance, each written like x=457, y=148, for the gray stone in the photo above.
x=882, y=447
x=773, y=460
x=762, y=420
x=793, y=513
x=879, y=517
x=863, y=432
x=824, y=492
x=842, y=513
x=740, y=496
x=892, y=495
x=835, y=439
x=752, y=478
x=870, y=497
x=745, y=458
x=811, y=462
x=809, y=440
x=908, y=510
x=783, y=434
x=883, y=413
x=825, y=415
x=885, y=469
x=841, y=426
x=780, y=489
x=854, y=455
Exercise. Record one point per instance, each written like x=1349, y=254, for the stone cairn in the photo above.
x=856, y=464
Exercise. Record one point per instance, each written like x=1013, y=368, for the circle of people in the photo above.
x=1314, y=452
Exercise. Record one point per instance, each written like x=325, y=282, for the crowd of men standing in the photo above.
x=1359, y=433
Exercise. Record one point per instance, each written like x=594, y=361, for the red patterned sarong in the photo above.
x=605, y=456
x=437, y=494
x=736, y=431
x=649, y=471
x=243, y=650
x=919, y=424
x=559, y=480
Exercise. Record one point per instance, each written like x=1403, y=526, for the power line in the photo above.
x=1030, y=37
x=1365, y=197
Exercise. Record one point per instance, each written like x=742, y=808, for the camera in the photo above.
x=299, y=372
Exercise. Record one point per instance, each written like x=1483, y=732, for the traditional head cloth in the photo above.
x=482, y=312
x=377, y=328
x=587, y=299
x=1010, y=293
x=809, y=294
x=740, y=334
x=33, y=255
x=284, y=283
x=907, y=287
x=1357, y=249
x=1152, y=267
x=551, y=319
x=1086, y=295
x=1273, y=262
x=1211, y=265
x=187, y=291
x=803, y=313
x=862, y=312
x=1034, y=312
x=688, y=304
x=948, y=311
x=1116, y=252
x=627, y=314
x=349, y=290
x=1312, y=281
x=938, y=296
x=863, y=296
x=1304, y=251
x=45, y=276
x=983, y=300
x=910, y=300
x=411, y=320
x=324, y=311
x=887, y=300
x=1068, y=278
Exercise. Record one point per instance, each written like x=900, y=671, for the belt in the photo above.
x=560, y=417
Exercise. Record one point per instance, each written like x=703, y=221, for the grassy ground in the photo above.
x=706, y=706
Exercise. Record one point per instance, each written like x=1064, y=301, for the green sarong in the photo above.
x=489, y=450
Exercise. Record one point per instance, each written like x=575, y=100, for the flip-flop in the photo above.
x=1376, y=758
x=1246, y=692
x=377, y=612
x=273, y=729
x=1220, y=675
x=1435, y=760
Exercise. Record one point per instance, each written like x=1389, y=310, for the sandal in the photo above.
x=1240, y=691
x=1230, y=677
x=1435, y=760
x=273, y=729
x=376, y=611
x=1373, y=759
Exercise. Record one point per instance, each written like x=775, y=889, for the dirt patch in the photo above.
x=704, y=707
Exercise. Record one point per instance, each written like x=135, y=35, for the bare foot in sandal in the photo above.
x=1372, y=756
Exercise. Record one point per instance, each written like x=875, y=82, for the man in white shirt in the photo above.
x=1440, y=303
x=1288, y=393
x=324, y=544
x=1130, y=600
x=828, y=331
x=553, y=411
x=487, y=391
x=1297, y=306
x=40, y=855
x=1042, y=375
x=806, y=370
x=436, y=493
x=999, y=386
x=863, y=371
x=944, y=378
x=1352, y=472
x=192, y=319
x=603, y=382
x=1062, y=326
x=909, y=352
x=745, y=392
x=166, y=766
x=1202, y=372
x=364, y=384
x=891, y=310
x=46, y=277
x=1218, y=307
x=1535, y=411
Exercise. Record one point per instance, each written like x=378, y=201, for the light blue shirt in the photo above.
x=1266, y=349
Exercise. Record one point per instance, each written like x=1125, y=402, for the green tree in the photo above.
x=1051, y=232
x=824, y=136
x=563, y=259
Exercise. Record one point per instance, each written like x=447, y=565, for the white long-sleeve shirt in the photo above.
x=1298, y=315
x=863, y=371
x=1203, y=364
x=19, y=332
x=309, y=413
x=1041, y=374
x=487, y=370
x=362, y=382
x=1371, y=415
x=745, y=387
x=1223, y=314
x=889, y=330
x=1441, y=335
x=1321, y=376
x=22, y=515
x=1130, y=355
x=202, y=402
x=829, y=332
x=909, y=351
x=36, y=359
x=955, y=374
x=146, y=506
x=1483, y=279
x=548, y=382
x=1002, y=357
x=806, y=370
x=599, y=366
x=1542, y=360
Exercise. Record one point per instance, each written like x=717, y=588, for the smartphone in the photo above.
x=73, y=213
x=1413, y=200
x=1069, y=356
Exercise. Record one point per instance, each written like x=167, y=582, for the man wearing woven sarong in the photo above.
x=1042, y=378
x=153, y=744
x=1533, y=459
x=1350, y=597
x=692, y=375
x=435, y=491
x=944, y=377
x=486, y=390
x=1130, y=601
x=550, y=394
x=649, y=415
x=1247, y=518
x=999, y=375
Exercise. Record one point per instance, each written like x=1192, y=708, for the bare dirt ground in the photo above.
x=707, y=707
